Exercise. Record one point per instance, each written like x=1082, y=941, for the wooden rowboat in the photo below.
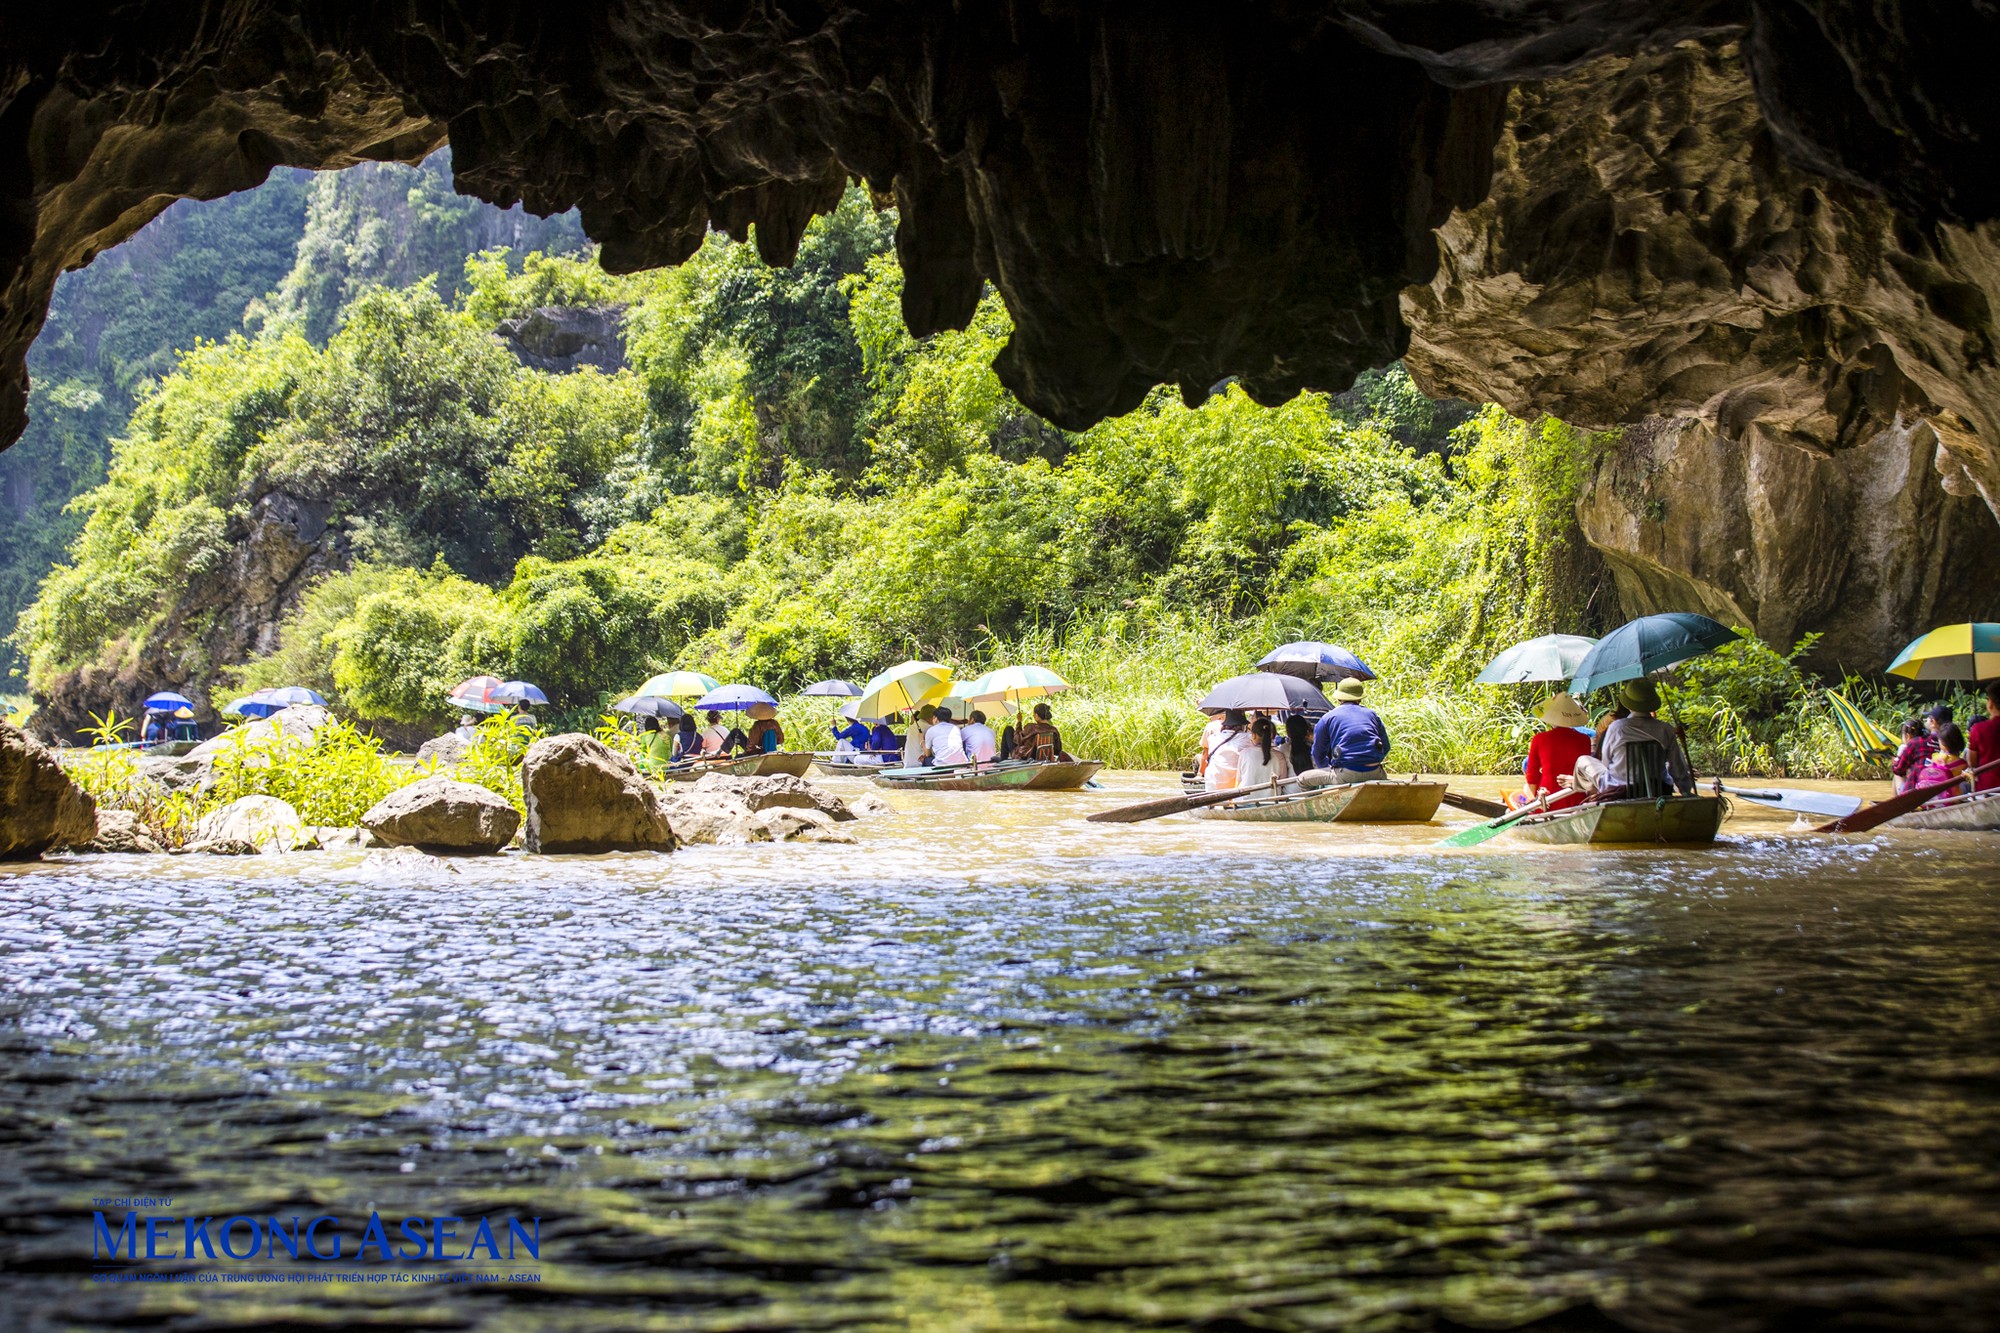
x=790, y=763
x=835, y=768
x=1687, y=820
x=1979, y=812
x=1012, y=775
x=1347, y=803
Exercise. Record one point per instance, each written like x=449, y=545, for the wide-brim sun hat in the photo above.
x=762, y=712
x=1559, y=710
x=1350, y=691
x=1641, y=696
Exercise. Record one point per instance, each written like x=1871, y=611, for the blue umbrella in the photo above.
x=284, y=696
x=734, y=696
x=1309, y=660
x=1646, y=645
x=832, y=689
x=518, y=692
x=166, y=701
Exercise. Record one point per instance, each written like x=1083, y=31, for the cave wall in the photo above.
x=1772, y=217
x=1162, y=192
x=1861, y=545
x=1645, y=251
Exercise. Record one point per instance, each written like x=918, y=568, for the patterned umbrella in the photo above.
x=1309, y=660
x=906, y=686
x=476, y=695
x=679, y=685
x=1955, y=652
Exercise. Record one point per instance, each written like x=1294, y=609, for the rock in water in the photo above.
x=443, y=815
x=40, y=807
x=121, y=831
x=780, y=790
x=712, y=816
x=585, y=797
x=265, y=823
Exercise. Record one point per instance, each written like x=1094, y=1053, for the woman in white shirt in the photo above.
x=1263, y=759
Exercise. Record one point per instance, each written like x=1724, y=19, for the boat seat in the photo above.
x=1646, y=765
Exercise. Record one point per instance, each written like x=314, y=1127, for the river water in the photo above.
x=997, y=1068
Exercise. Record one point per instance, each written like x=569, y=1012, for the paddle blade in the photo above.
x=1883, y=811
x=1478, y=833
x=1803, y=802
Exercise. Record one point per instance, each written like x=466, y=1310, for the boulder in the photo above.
x=584, y=797
x=261, y=823
x=790, y=824
x=300, y=722
x=40, y=807
x=121, y=831
x=333, y=838
x=712, y=817
x=442, y=752
x=443, y=815
x=779, y=790
x=868, y=805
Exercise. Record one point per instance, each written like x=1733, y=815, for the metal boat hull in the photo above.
x=1979, y=813
x=1348, y=803
x=1684, y=820
x=1016, y=776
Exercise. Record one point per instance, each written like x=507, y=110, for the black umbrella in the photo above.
x=649, y=705
x=1267, y=691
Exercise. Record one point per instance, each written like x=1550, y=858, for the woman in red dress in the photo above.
x=1553, y=753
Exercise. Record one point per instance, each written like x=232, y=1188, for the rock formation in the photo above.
x=1858, y=544
x=441, y=815
x=249, y=824
x=583, y=796
x=1161, y=192
x=563, y=338
x=723, y=809
x=40, y=807
x=1773, y=216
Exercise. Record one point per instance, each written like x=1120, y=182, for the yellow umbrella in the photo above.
x=678, y=685
x=1955, y=652
x=903, y=688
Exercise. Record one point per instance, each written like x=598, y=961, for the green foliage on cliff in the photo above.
x=782, y=485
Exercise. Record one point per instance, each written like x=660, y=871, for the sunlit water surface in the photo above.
x=999, y=1068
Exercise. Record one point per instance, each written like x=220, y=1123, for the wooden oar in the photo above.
x=1883, y=811
x=1474, y=805
x=1493, y=828
x=1173, y=805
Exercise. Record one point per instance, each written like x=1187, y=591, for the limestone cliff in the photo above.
x=1861, y=545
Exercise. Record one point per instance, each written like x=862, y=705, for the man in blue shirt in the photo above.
x=1351, y=740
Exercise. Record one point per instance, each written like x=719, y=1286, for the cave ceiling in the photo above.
x=1776, y=213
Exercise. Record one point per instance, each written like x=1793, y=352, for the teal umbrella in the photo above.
x=1646, y=645
x=1551, y=657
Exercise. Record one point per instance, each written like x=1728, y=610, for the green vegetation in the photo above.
x=782, y=484
x=331, y=780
